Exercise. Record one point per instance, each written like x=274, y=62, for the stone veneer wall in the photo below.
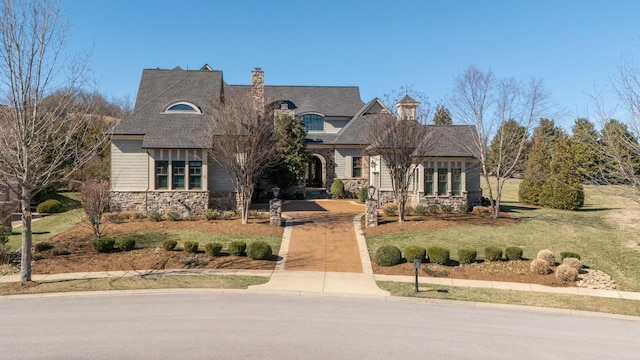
x=352, y=186
x=471, y=198
x=182, y=202
x=330, y=165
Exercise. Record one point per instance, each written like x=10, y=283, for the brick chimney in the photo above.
x=257, y=88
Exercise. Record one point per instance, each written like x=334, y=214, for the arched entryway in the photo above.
x=314, y=171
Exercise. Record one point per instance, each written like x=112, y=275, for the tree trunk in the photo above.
x=25, y=257
x=245, y=200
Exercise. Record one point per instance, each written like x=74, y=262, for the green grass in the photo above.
x=155, y=239
x=134, y=283
x=558, y=301
x=51, y=225
x=591, y=232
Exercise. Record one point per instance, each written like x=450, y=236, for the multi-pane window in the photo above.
x=456, y=181
x=356, y=169
x=162, y=174
x=428, y=181
x=177, y=174
x=313, y=122
x=442, y=181
x=195, y=174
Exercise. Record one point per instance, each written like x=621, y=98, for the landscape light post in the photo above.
x=416, y=265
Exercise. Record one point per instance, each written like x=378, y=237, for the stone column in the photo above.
x=371, y=216
x=275, y=212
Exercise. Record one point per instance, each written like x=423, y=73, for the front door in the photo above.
x=313, y=172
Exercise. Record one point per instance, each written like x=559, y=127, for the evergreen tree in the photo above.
x=442, y=116
x=536, y=171
x=504, y=149
x=584, y=146
x=621, y=163
x=289, y=135
x=562, y=189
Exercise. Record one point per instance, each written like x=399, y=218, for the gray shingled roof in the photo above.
x=448, y=141
x=355, y=130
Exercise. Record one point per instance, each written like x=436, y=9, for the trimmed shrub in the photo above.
x=438, y=255
x=388, y=255
x=51, y=206
x=420, y=210
x=569, y=254
x=492, y=253
x=363, y=194
x=447, y=209
x=42, y=246
x=463, y=208
x=432, y=209
x=565, y=272
x=211, y=214
x=413, y=252
x=390, y=210
x=337, y=189
x=259, y=250
x=213, y=249
x=104, y=245
x=548, y=256
x=126, y=243
x=190, y=246
x=573, y=262
x=513, y=253
x=237, y=248
x=173, y=216
x=467, y=256
x=169, y=245
x=540, y=266
x=155, y=216
x=408, y=210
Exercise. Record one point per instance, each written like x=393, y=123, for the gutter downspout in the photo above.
x=146, y=192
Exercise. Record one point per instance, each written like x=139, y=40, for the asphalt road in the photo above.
x=214, y=325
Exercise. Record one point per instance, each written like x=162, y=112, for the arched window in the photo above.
x=313, y=122
x=183, y=107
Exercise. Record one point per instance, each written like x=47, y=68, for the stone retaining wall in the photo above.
x=182, y=202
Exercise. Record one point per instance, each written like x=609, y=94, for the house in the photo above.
x=159, y=160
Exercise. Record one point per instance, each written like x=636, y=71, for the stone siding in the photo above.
x=182, y=202
x=352, y=186
x=471, y=199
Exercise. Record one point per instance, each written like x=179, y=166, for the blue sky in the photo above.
x=574, y=46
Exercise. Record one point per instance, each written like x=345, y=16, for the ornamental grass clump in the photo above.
x=513, y=253
x=492, y=253
x=573, y=262
x=540, y=266
x=467, y=256
x=413, y=252
x=438, y=255
x=259, y=250
x=388, y=255
x=237, y=248
x=548, y=256
x=566, y=272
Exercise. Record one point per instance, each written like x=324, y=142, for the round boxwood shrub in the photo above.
x=213, y=249
x=492, y=253
x=259, y=250
x=104, y=245
x=569, y=254
x=413, y=252
x=337, y=189
x=513, y=253
x=388, y=255
x=438, y=255
x=467, y=256
x=363, y=194
x=237, y=248
x=190, y=246
x=51, y=206
x=169, y=245
x=126, y=243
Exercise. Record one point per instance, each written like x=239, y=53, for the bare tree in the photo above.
x=40, y=144
x=488, y=103
x=242, y=144
x=95, y=201
x=394, y=139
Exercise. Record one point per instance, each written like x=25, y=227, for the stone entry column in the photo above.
x=275, y=212
x=371, y=215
